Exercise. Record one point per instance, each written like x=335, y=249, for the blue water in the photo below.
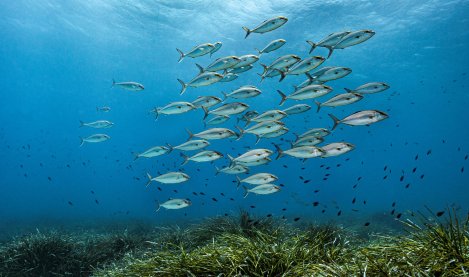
x=58, y=59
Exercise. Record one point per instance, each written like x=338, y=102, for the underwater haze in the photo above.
x=58, y=60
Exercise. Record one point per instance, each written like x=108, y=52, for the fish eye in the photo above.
x=336, y=73
x=206, y=78
x=357, y=36
x=220, y=133
x=375, y=86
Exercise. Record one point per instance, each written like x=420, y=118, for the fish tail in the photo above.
x=82, y=123
x=191, y=135
x=284, y=97
x=201, y=69
x=282, y=75
x=259, y=51
x=186, y=159
x=238, y=181
x=157, y=113
x=170, y=148
x=158, y=206
x=184, y=86
x=313, y=46
x=82, y=141
x=311, y=78
x=149, y=179
x=241, y=131
x=247, y=31
x=336, y=121
x=224, y=96
x=217, y=170
x=113, y=82
x=317, y=104
x=331, y=49
x=182, y=55
x=205, y=112
x=232, y=162
x=136, y=155
x=348, y=90
x=246, y=191
x=265, y=68
x=279, y=151
x=258, y=138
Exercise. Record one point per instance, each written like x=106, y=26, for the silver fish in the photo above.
x=204, y=156
x=197, y=51
x=206, y=101
x=100, y=124
x=296, y=109
x=351, y=39
x=216, y=46
x=337, y=148
x=281, y=63
x=173, y=108
x=257, y=179
x=214, y=133
x=308, y=92
x=308, y=141
x=169, y=178
x=132, y=86
x=174, y=204
x=262, y=128
x=153, y=152
x=250, y=156
x=369, y=88
x=220, y=64
x=219, y=119
x=267, y=26
x=360, y=118
x=248, y=115
x=257, y=162
x=316, y=132
x=201, y=80
x=243, y=92
x=282, y=131
x=262, y=189
x=103, y=109
x=227, y=109
x=340, y=100
x=271, y=115
x=94, y=138
x=303, y=66
x=303, y=152
x=329, y=41
x=235, y=169
x=241, y=69
x=228, y=77
x=191, y=145
x=273, y=45
x=331, y=74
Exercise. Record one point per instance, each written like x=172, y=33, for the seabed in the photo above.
x=243, y=245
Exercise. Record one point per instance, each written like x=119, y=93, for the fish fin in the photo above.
x=241, y=131
x=336, y=121
x=284, y=97
x=184, y=86
x=238, y=181
x=159, y=205
x=157, y=113
x=348, y=90
x=113, y=82
x=149, y=179
x=246, y=191
x=224, y=96
x=331, y=49
x=282, y=75
x=191, y=135
x=135, y=155
x=82, y=141
x=186, y=158
x=82, y=123
x=265, y=68
x=280, y=152
x=260, y=52
x=217, y=170
x=313, y=46
x=170, y=148
x=182, y=55
x=205, y=112
x=296, y=136
x=258, y=138
x=247, y=31
x=201, y=69
x=311, y=78
x=317, y=104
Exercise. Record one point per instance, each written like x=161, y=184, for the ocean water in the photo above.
x=58, y=60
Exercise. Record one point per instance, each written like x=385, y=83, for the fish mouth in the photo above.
x=283, y=18
x=370, y=32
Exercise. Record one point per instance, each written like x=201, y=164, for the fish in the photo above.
x=217, y=120
x=251, y=156
x=191, y=145
x=261, y=128
x=228, y=77
x=257, y=179
x=213, y=133
x=307, y=141
x=169, y=178
x=153, y=152
x=203, y=79
x=308, y=92
x=267, y=25
x=329, y=41
x=206, y=101
x=248, y=115
x=132, y=86
x=227, y=109
x=271, y=115
x=283, y=130
x=353, y=38
x=204, y=156
x=369, y=88
x=243, y=92
x=317, y=132
x=360, y=118
x=262, y=161
x=94, y=138
x=332, y=73
x=336, y=149
x=174, y=204
x=303, y=152
x=216, y=46
x=220, y=64
x=235, y=169
x=281, y=63
x=103, y=109
x=197, y=51
x=272, y=46
x=173, y=108
x=246, y=60
x=296, y=109
x=303, y=66
x=99, y=124
x=340, y=100
x=240, y=69
x=261, y=189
